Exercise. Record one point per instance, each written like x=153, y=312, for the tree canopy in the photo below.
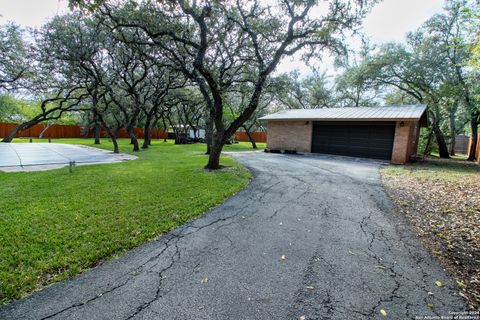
x=124, y=64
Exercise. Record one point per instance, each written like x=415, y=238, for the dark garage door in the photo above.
x=365, y=140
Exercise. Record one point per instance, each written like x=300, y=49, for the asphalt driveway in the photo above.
x=312, y=237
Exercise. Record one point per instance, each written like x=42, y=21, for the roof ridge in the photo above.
x=399, y=112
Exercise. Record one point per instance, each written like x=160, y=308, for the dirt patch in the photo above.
x=444, y=208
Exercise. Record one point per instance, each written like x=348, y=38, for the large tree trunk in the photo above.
x=11, y=135
x=208, y=135
x=146, y=133
x=20, y=127
x=112, y=136
x=96, y=133
x=152, y=130
x=452, y=145
x=216, y=146
x=111, y=133
x=134, y=141
x=115, y=144
x=252, y=141
x=165, y=129
x=472, y=153
x=97, y=119
x=442, y=145
x=133, y=138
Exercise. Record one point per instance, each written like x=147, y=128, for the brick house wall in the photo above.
x=289, y=135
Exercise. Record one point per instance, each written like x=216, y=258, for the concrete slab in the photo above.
x=15, y=157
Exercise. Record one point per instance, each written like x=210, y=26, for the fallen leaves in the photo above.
x=442, y=202
x=204, y=280
x=283, y=257
x=383, y=312
x=438, y=284
x=311, y=288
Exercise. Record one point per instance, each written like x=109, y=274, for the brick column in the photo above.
x=402, y=141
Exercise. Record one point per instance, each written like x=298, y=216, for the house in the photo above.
x=389, y=133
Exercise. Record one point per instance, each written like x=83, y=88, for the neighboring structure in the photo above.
x=461, y=144
x=193, y=132
x=389, y=133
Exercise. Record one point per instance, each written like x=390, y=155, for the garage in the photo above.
x=363, y=139
x=386, y=133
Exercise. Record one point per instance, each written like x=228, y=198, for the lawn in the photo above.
x=441, y=200
x=240, y=146
x=55, y=224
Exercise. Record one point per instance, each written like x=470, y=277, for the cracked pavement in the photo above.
x=348, y=255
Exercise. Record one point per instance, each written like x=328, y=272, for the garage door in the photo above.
x=365, y=140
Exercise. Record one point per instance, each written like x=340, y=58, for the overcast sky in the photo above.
x=30, y=13
x=390, y=20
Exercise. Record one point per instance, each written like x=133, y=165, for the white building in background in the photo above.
x=199, y=133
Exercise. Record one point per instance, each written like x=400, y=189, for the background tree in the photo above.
x=431, y=69
x=186, y=112
x=452, y=32
x=162, y=81
x=310, y=92
x=355, y=89
x=224, y=43
x=15, y=57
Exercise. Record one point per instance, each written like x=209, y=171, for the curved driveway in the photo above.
x=346, y=255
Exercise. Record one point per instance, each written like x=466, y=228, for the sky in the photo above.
x=30, y=13
x=389, y=20
x=392, y=19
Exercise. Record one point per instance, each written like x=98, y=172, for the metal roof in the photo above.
x=390, y=113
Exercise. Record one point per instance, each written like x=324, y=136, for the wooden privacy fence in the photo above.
x=57, y=131
x=54, y=131
x=257, y=136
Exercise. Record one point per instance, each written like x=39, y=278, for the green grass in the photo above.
x=240, y=146
x=456, y=157
x=244, y=146
x=54, y=224
x=444, y=170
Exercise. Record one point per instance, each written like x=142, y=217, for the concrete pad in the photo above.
x=16, y=157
